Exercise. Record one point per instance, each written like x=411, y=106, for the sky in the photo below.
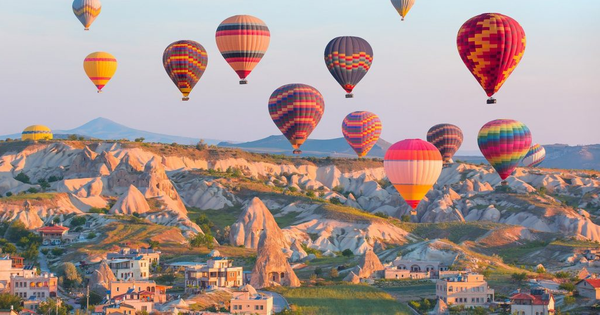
x=416, y=81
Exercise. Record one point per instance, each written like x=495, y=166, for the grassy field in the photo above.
x=342, y=300
x=409, y=290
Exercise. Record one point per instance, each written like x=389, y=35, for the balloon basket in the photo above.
x=86, y=29
x=504, y=183
x=99, y=91
x=491, y=100
x=185, y=99
x=413, y=212
x=297, y=152
x=349, y=95
x=243, y=82
x=402, y=19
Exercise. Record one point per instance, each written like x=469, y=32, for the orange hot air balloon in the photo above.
x=243, y=41
x=413, y=166
x=100, y=68
x=491, y=45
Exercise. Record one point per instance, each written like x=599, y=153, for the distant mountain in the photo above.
x=319, y=148
x=557, y=155
x=106, y=129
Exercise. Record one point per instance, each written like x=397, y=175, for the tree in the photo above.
x=91, y=235
x=7, y=300
x=310, y=194
x=519, y=277
x=335, y=201
x=202, y=240
x=70, y=275
x=167, y=278
x=425, y=305
x=333, y=273
x=140, y=139
x=95, y=299
x=562, y=275
x=33, y=190
x=347, y=252
x=22, y=177
x=77, y=221
x=9, y=248
x=201, y=145
x=72, y=137
x=44, y=184
x=49, y=307
x=16, y=231
x=318, y=271
x=569, y=300
x=567, y=286
x=154, y=244
x=405, y=218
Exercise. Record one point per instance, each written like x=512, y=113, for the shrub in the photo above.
x=22, y=177
x=8, y=194
x=567, y=286
x=335, y=201
x=77, y=221
x=97, y=210
x=292, y=189
x=333, y=273
x=91, y=235
x=405, y=218
x=311, y=194
x=33, y=190
x=347, y=252
x=382, y=215
x=57, y=251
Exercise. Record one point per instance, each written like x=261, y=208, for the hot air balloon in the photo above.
x=447, y=138
x=243, y=41
x=36, y=132
x=185, y=62
x=100, y=68
x=87, y=11
x=296, y=109
x=348, y=59
x=535, y=156
x=491, y=46
x=361, y=130
x=413, y=166
x=403, y=6
x=504, y=143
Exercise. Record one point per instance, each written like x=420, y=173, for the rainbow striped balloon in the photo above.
x=447, y=138
x=100, y=67
x=296, y=109
x=243, y=40
x=348, y=58
x=504, y=143
x=185, y=62
x=361, y=130
x=535, y=156
x=87, y=11
x=413, y=166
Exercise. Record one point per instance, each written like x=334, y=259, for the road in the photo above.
x=43, y=263
x=548, y=284
x=279, y=302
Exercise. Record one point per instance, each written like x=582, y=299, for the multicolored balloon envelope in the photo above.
x=87, y=11
x=535, y=156
x=447, y=138
x=491, y=45
x=403, y=6
x=413, y=166
x=296, y=109
x=504, y=143
x=185, y=62
x=243, y=41
x=348, y=59
x=100, y=67
x=361, y=130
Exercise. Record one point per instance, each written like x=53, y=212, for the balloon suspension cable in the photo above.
x=491, y=100
x=297, y=151
x=243, y=81
x=185, y=98
x=349, y=95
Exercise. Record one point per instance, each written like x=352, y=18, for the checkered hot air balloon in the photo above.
x=535, y=156
x=243, y=41
x=491, y=45
x=504, y=143
x=413, y=166
x=348, y=59
x=361, y=130
x=185, y=62
x=403, y=6
x=100, y=67
x=87, y=11
x=447, y=138
x=296, y=109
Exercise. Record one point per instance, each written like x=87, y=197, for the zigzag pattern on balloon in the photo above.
x=185, y=62
x=87, y=11
x=504, y=143
x=491, y=45
x=362, y=131
x=296, y=109
x=535, y=156
x=348, y=59
x=447, y=138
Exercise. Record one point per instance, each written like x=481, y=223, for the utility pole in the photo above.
x=57, y=304
x=87, y=306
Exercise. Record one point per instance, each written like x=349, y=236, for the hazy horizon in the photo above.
x=417, y=79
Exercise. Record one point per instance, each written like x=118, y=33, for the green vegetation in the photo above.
x=70, y=275
x=8, y=300
x=31, y=196
x=454, y=231
x=22, y=177
x=342, y=299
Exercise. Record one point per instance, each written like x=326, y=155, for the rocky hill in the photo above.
x=325, y=204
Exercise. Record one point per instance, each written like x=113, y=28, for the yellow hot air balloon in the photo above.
x=36, y=132
x=403, y=6
x=100, y=68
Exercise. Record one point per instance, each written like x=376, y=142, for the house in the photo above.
x=248, y=301
x=119, y=309
x=416, y=266
x=537, y=302
x=118, y=288
x=141, y=301
x=217, y=272
x=136, y=268
x=589, y=288
x=149, y=254
x=38, y=286
x=13, y=266
x=591, y=254
x=394, y=273
x=583, y=273
x=469, y=290
x=10, y=311
x=52, y=234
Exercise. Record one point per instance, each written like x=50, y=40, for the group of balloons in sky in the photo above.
x=491, y=45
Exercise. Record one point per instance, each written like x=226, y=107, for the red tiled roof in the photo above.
x=536, y=299
x=595, y=283
x=53, y=228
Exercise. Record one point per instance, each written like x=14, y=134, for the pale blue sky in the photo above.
x=417, y=78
